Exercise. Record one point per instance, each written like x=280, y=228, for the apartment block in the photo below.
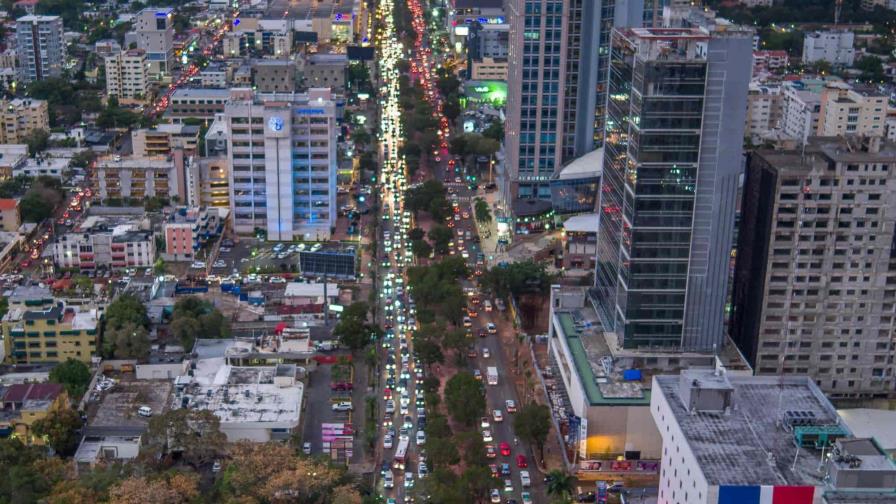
x=834, y=46
x=202, y=103
x=813, y=289
x=154, y=29
x=106, y=244
x=188, y=229
x=40, y=47
x=274, y=76
x=769, y=61
x=852, y=110
x=164, y=139
x=127, y=75
x=764, y=110
x=10, y=217
x=20, y=117
x=136, y=177
x=51, y=334
x=23, y=404
x=668, y=193
x=211, y=175
x=282, y=155
x=488, y=69
x=325, y=71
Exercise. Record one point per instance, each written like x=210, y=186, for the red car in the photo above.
x=505, y=448
x=521, y=461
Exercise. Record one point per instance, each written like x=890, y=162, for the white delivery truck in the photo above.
x=492, y=375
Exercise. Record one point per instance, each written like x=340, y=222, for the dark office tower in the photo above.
x=672, y=157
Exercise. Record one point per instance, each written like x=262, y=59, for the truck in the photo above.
x=401, y=453
x=492, y=375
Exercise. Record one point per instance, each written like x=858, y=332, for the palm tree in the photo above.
x=560, y=484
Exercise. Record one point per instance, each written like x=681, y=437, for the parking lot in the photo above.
x=332, y=431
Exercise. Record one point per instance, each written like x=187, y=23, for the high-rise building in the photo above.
x=20, y=117
x=40, y=47
x=127, y=74
x=557, y=74
x=672, y=158
x=282, y=154
x=852, y=110
x=154, y=28
x=813, y=289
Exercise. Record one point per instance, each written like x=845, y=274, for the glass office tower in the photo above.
x=674, y=129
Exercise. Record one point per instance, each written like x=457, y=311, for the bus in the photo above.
x=401, y=453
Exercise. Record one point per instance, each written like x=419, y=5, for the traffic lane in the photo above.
x=496, y=395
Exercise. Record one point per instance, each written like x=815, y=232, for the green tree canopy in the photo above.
x=353, y=331
x=126, y=309
x=464, y=398
x=195, y=434
x=74, y=375
x=532, y=423
x=60, y=428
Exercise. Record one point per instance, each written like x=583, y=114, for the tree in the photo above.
x=440, y=236
x=560, y=484
x=60, y=428
x=421, y=248
x=38, y=141
x=477, y=480
x=517, y=278
x=171, y=488
x=74, y=375
x=427, y=348
x=353, y=330
x=416, y=234
x=532, y=423
x=464, y=398
x=451, y=108
x=482, y=212
x=124, y=309
x=185, y=330
x=495, y=131
x=420, y=198
x=193, y=318
x=34, y=208
x=193, y=433
x=872, y=69
x=129, y=341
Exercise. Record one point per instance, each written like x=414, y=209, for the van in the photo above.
x=388, y=480
x=488, y=305
x=144, y=411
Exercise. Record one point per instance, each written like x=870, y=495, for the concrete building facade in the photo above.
x=40, y=47
x=154, y=28
x=812, y=285
x=127, y=75
x=834, y=46
x=282, y=155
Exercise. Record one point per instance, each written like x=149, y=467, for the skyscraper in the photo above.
x=40, y=47
x=558, y=60
x=672, y=157
x=282, y=156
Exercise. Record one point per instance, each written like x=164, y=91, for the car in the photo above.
x=144, y=411
x=389, y=479
x=342, y=406
x=484, y=422
x=197, y=265
x=494, y=470
x=616, y=487
x=505, y=469
x=505, y=448
x=525, y=480
x=490, y=451
x=491, y=328
x=495, y=496
x=497, y=416
x=387, y=442
x=408, y=479
x=521, y=461
x=477, y=374
x=510, y=406
x=508, y=485
x=421, y=438
x=527, y=498
x=468, y=322
x=487, y=436
x=486, y=353
x=482, y=332
x=422, y=470
x=306, y=448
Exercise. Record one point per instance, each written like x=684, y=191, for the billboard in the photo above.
x=754, y=494
x=337, y=263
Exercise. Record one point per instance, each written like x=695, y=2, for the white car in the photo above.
x=408, y=479
x=510, y=406
x=421, y=438
x=387, y=442
x=486, y=353
x=422, y=470
x=487, y=436
x=342, y=406
x=494, y=496
x=197, y=265
x=525, y=480
x=390, y=406
x=389, y=480
x=498, y=416
x=306, y=448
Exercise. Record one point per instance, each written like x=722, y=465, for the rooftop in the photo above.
x=748, y=444
x=589, y=165
x=820, y=150
x=114, y=412
x=872, y=423
x=298, y=289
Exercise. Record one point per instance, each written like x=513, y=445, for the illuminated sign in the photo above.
x=486, y=20
x=275, y=123
x=461, y=31
x=310, y=111
x=481, y=89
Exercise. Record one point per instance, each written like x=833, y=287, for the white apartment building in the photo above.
x=40, y=47
x=851, y=110
x=834, y=46
x=136, y=178
x=800, y=110
x=764, y=110
x=756, y=439
x=102, y=243
x=154, y=29
x=282, y=156
x=127, y=75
